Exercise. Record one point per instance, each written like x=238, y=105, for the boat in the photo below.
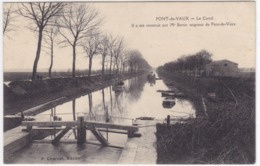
x=180, y=94
x=173, y=94
x=118, y=86
x=168, y=102
x=169, y=84
x=167, y=94
x=166, y=91
x=145, y=118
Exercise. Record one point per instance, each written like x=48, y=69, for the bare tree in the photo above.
x=123, y=59
x=41, y=13
x=51, y=34
x=111, y=47
x=118, y=51
x=137, y=62
x=77, y=22
x=91, y=47
x=103, y=49
x=8, y=18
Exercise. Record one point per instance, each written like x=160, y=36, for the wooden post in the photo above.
x=130, y=134
x=22, y=116
x=29, y=128
x=81, y=138
x=168, y=121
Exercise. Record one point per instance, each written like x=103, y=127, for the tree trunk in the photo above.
x=110, y=71
x=74, y=115
x=90, y=65
x=74, y=60
x=117, y=66
x=38, y=52
x=103, y=99
x=51, y=59
x=103, y=64
x=111, y=99
x=74, y=109
x=90, y=102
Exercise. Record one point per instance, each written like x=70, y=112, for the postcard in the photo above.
x=129, y=82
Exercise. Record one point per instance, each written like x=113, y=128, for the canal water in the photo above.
x=138, y=98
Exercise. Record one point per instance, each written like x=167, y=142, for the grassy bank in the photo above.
x=22, y=95
x=225, y=136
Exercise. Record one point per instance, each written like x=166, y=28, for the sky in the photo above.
x=158, y=45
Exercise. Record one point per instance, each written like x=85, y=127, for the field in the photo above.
x=226, y=135
x=16, y=76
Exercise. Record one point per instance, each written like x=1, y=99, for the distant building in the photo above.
x=221, y=68
x=246, y=70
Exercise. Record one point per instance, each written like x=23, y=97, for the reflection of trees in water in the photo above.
x=135, y=87
x=99, y=111
x=90, y=116
x=113, y=106
x=151, y=79
x=118, y=102
x=104, y=105
x=74, y=115
x=74, y=109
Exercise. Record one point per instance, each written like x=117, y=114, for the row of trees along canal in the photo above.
x=73, y=25
x=193, y=64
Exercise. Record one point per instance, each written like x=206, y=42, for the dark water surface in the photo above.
x=138, y=98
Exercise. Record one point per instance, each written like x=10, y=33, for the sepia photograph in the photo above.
x=129, y=82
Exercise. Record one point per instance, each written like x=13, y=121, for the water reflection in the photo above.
x=151, y=79
x=138, y=99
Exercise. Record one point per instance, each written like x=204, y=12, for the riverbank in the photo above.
x=21, y=95
x=37, y=96
x=225, y=134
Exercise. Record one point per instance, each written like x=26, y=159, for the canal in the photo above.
x=138, y=98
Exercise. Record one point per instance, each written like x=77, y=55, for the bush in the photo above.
x=226, y=136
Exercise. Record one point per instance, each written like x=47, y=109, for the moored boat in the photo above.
x=118, y=86
x=168, y=102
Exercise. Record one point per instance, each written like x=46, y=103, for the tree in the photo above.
x=8, y=18
x=123, y=61
x=118, y=51
x=41, y=13
x=91, y=48
x=77, y=22
x=51, y=34
x=136, y=61
x=103, y=49
x=190, y=64
x=112, y=41
x=203, y=58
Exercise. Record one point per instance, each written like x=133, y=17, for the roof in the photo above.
x=221, y=62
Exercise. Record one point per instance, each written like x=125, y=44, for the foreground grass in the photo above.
x=225, y=136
